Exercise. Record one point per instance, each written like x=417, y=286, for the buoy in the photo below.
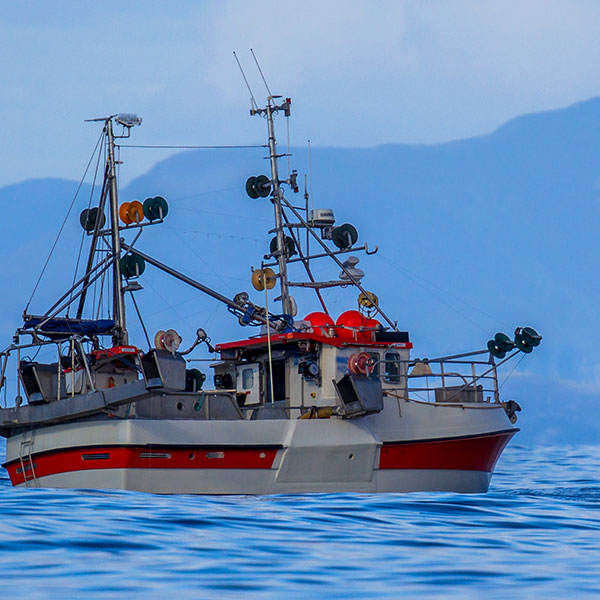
x=321, y=323
x=349, y=325
x=262, y=278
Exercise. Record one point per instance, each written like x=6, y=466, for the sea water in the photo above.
x=535, y=534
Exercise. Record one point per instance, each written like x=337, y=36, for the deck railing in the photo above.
x=459, y=378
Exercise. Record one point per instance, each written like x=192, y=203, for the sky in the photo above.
x=359, y=73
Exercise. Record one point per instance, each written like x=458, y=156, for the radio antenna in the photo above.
x=310, y=173
x=261, y=73
x=252, y=100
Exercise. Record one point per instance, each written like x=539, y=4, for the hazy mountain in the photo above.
x=474, y=236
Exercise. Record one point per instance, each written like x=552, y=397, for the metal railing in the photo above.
x=458, y=378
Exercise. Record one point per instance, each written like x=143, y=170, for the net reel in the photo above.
x=258, y=187
x=132, y=265
x=367, y=304
x=168, y=340
x=289, y=246
x=263, y=278
x=344, y=236
x=526, y=339
x=88, y=218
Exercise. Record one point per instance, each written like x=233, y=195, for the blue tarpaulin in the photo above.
x=62, y=325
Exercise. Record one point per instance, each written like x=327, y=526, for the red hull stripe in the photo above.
x=139, y=457
x=474, y=453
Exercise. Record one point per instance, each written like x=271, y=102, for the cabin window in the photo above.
x=392, y=367
x=247, y=379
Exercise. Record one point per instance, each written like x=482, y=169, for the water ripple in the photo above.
x=534, y=534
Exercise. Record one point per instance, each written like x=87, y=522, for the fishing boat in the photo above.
x=316, y=403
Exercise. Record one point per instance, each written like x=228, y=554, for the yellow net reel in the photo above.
x=367, y=303
x=263, y=278
x=135, y=212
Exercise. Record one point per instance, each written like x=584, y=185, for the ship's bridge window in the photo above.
x=248, y=378
x=392, y=367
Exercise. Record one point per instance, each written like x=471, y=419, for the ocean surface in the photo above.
x=535, y=534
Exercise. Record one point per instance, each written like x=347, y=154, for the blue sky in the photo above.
x=360, y=73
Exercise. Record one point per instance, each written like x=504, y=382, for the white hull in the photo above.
x=409, y=446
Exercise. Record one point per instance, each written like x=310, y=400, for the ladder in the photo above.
x=25, y=458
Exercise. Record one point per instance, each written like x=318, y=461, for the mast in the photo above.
x=120, y=335
x=276, y=198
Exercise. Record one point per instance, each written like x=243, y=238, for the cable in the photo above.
x=137, y=310
x=414, y=280
x=63, y=223
x=83, y=231
x=511, y=372
x=200, y=257
x=190, y=147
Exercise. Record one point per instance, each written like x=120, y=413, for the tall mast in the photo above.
x=120, y=335
x=276, y=198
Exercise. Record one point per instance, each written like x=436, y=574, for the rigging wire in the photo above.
x=137, y=310
x=200, y=257
x=287, y=120
x=64, y=221
x=191, y=147
x=252, y=100
x=414, y=278
x=83, y=230
x=261, y=73
x=511, y=372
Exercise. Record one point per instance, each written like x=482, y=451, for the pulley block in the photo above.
x=263, y=278
x=88, y=218
x=155, y=208
x=344, y=236
x=289, y=244
x=132, y=265
x=258, y=187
